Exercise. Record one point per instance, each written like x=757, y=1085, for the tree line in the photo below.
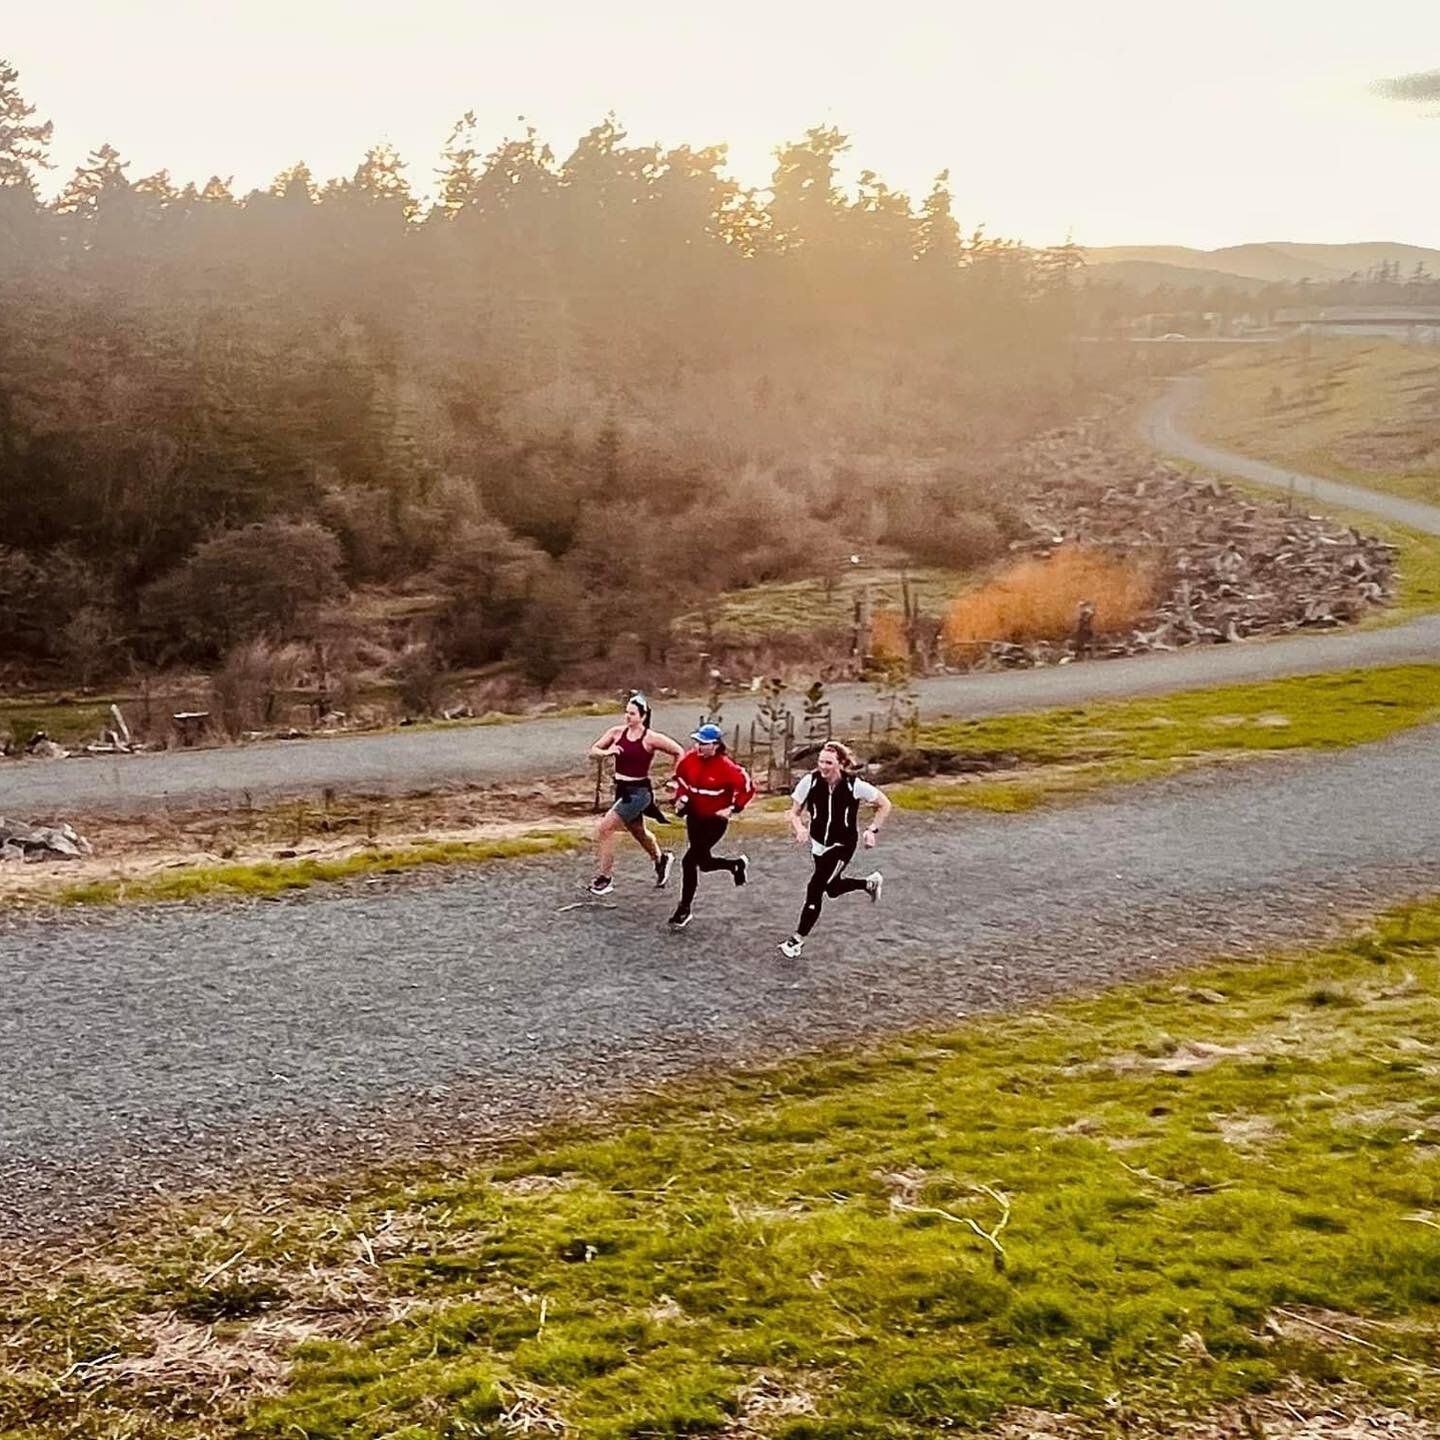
x=565, y=398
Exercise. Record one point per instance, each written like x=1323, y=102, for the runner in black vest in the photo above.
x=831, y=796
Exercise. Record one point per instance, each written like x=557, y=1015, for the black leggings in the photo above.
x=704, y=833
x=828, y=879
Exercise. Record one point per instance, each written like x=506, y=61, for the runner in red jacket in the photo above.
x=709, y=788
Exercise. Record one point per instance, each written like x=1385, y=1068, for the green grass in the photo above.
x=1061, y=754
x=1189, y=1164
x=1081, y=748
x=806, y=607
x=270, y=878
x=69, y=723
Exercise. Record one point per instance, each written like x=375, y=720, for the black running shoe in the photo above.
x=663, y=867
x=742, y=869
x=601, y=885
x=680, y=919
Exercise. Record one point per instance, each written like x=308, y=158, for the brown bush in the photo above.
x=246, y=690
x=419, y=679
x=264, y=579
x=1036, y=599
x=887, y=636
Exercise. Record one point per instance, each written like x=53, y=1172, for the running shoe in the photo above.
x=601, y=885
x=874, y=884
x=680, y=919
x=742, y=869
x=663, y=866
x=792, y=947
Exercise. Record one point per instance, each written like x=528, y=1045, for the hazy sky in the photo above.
x=1122, y=121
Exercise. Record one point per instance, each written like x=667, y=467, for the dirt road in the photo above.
x=412, y=760
x=181, y=1045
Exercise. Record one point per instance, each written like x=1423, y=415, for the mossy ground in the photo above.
x=1214, y=1183
x=1069, y=751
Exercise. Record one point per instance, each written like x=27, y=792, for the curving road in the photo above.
x=410, y=761
x=188, y=1045
x=184, y=1045
x=1162, y=427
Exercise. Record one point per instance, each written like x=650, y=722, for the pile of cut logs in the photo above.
x=1231, y=565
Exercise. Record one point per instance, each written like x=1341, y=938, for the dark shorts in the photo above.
x=632, y=800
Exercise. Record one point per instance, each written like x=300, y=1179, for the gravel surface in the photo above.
x=190, y=1045
x=1162, y=427
x=408, y=761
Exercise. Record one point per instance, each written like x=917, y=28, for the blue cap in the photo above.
x=709, y=735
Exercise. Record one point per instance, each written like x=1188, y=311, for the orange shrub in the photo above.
x=887, y=636
x=1036, y=600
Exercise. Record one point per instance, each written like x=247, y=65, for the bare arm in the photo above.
x=664, y=744
x=798, y=823
x=882, y=808
x=605, y=745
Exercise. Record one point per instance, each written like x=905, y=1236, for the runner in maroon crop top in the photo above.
x=633, y=746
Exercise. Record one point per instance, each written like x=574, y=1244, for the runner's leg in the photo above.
x=645, y=840
x=690, y=861
x=843, y=884
x=827, y=867
x=607, y=831
x=715, y=828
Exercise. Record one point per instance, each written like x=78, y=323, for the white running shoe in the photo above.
x=792, y=947
x=742, y=869
x=663, y=866
x=874, y=884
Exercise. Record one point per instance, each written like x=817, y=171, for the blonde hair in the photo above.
x=843, y=753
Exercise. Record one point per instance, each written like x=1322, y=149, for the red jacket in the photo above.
x=706, y=786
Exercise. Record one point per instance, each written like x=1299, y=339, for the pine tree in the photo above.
x=24, y=145
x=295, y=184
x=940, y=242
x=460, y=179
x=98, y=180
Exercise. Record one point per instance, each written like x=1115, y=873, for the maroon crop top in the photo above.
x=633, y=761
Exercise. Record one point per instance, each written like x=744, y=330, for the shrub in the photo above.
x=1037, y=599
x=246, y=690
x=487, y=576
x=418, y=677
x=89, y=643
x=554, y=631
x=42, y=595
x=262, y=580
x=955, y=522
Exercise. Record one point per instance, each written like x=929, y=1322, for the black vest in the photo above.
x=834, y=814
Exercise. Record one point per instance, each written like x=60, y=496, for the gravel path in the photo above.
x=1163, y=428
x=410, y=761
x=189, y=1045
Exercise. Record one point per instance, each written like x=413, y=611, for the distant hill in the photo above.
x=1151, y=274
x=1248, y=266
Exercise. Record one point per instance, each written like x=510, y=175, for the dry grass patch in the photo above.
x=1036, y=599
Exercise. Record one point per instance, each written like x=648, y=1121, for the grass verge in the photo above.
x=69, y=723
x=1060, y=754
x=1127, y=1208
x=783, y=609
x=270, y=878
x=1070, y=751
